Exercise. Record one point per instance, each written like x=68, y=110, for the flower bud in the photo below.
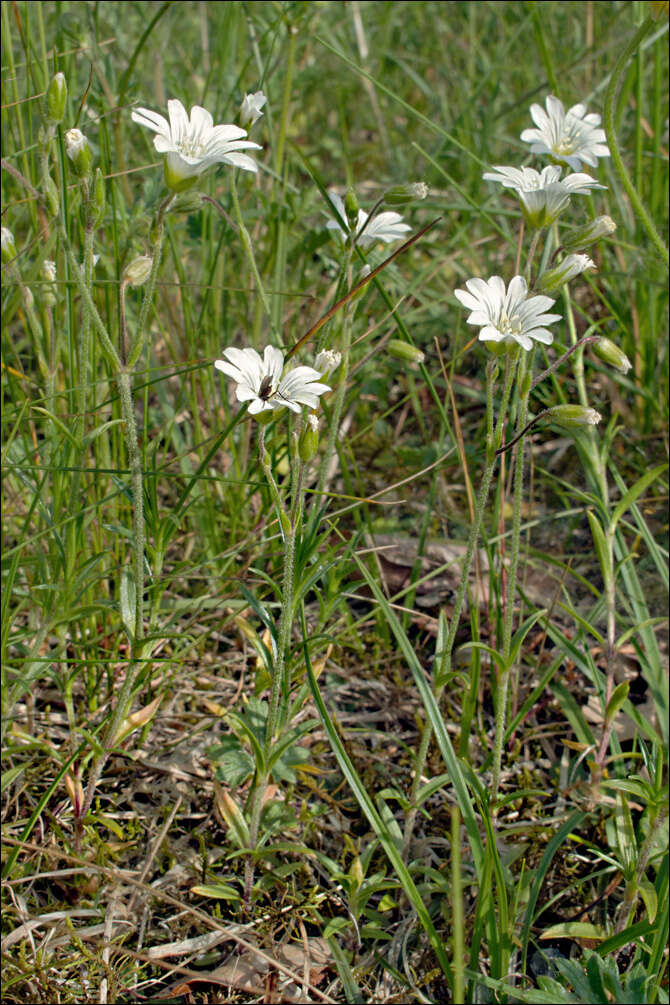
x=573, y=416
x=56, y=99
x=79, y=152
x=582, y=237
x=611, y=354
x=49, y=277
x=351, y=209
x=309, y=438
x=7, y=245
x=405, y=351
x=327, y=361
x=187, y=202
x=138, y=271
x=401, y=195
x=250, y=109
x=569, y=268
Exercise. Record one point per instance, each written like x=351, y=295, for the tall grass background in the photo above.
x=566, y=879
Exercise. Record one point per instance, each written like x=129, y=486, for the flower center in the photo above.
x=570, y=140
x=510, y=326
x=191, y=147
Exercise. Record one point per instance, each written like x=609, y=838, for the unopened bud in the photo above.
x=49, y=277
x=327, y=361
x=573, y=416
x=351, y=208
x=611, y=354
x=569, y=268
x=401, y=195
x=187, y=202
x=309, y=438
x=56, y=99
x=7, y=245
x=250, y=109
x=405, y=351
x=136, y=720
x=79, y=152
x=138, y=271
x=583, y=237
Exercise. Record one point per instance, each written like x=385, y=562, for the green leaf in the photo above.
x=618, y=697
x=216, y=891
x=573, y=930
x=233, y=764
x=634, y=492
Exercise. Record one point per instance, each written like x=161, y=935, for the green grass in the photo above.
x=574, y=854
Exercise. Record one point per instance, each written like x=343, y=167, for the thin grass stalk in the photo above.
x=503, y=684
x=280, y=676
x=444, y=670
x=638, y=206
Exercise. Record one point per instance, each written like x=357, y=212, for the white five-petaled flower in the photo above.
x=250, y=109
x=507, y=315
x=543, y=194
x=193, y=145
x=385, y=227
x=260, y=381
x=572, y=136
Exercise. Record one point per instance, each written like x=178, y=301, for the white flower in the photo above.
x=194, y=145
x=260, y=382
x=250, y=109
x=571, y=136
x=507, y=315
x=543, y=195
x=385, y=227
x=8, y=245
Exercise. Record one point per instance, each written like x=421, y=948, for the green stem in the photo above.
x=281, y=669
x=608, y=121
x=343, y=373
x=503, y=686
x=444, y=670
x=141, y=332
x=248, y=247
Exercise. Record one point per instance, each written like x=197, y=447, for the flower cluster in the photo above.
x=263, y=383
x=511, y=315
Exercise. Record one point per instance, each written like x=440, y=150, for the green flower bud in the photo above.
x=583, y=237
x=611, y=354
x=351, y=208
x=79, y=152
x=401, y=195
x=7, y=245
x=56, y=99
x=569, y=268
x=405, y=351
x=187, y=202
x=138, y=271
x=51, y=196
x=573, y=416
x=309, y=438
